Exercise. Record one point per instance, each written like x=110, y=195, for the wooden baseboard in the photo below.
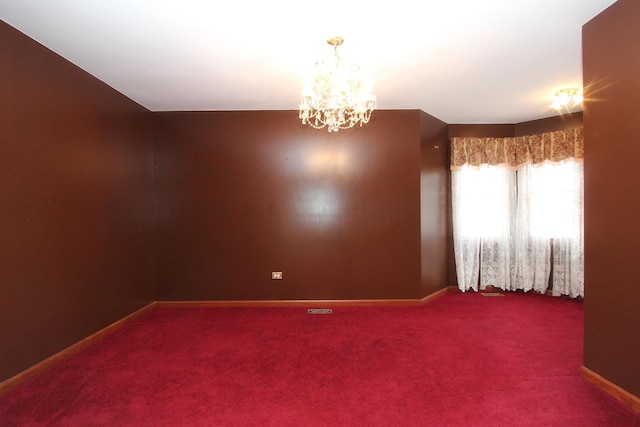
x=610, y=388
x=436, y=294
x=40, y=367
x=304, y=303
x=291, y=303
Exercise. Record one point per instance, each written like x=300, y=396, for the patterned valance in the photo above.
x=515, y=152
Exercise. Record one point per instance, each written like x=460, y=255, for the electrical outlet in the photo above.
x=276, y=275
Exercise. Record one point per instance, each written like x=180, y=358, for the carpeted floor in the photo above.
x=460, y=360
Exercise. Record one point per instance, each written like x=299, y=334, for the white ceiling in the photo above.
x=462, y=61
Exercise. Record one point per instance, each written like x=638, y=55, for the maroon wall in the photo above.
x=550, y=124
x=75, y=204
x=532, y=127
x=481, y=130
x=241, y=194
x=434, y=204
x=611, y=67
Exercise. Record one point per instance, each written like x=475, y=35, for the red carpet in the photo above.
x=460, y=360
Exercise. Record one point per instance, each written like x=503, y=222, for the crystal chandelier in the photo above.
x=565, y=97
x=338, y=96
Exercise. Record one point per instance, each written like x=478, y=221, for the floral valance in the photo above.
x=515, y=152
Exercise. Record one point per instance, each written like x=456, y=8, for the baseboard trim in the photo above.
x=290, y=303
x=610, y=388
x=304, y=303
x=436, y=294
x=58, y=357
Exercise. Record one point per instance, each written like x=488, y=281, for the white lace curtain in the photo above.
x=518, y=212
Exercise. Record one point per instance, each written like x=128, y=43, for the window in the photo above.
x=484, y=201
x=553, y=190
x=506, y=221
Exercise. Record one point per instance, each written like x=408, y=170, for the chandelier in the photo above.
x=338, y=96
x=566, y=99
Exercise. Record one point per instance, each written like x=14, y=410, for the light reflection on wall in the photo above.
x=319, y=206
x=320, y=169
x=327, y=160
x=316, y=160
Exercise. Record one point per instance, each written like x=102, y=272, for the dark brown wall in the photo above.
x=241, y=194
x=532, y=127
x=611, y=67
x=75, y=204
x=434, y=204
x=481, y=131
x=550, y=124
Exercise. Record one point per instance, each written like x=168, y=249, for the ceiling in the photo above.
x=462, y=61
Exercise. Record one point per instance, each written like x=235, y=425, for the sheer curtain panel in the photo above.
x=484, y=197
